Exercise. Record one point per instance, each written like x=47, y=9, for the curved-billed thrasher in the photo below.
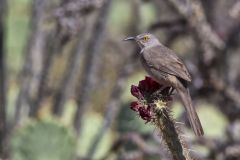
x=163, y=65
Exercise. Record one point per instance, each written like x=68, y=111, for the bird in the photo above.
x=165, y=67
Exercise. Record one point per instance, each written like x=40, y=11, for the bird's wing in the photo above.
x=165, y=60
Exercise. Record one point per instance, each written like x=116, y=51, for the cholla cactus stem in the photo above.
x=153, y=106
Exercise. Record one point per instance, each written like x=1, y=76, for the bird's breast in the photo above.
x=157, y=75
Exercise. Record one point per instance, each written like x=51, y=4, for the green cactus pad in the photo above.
x=43, y=140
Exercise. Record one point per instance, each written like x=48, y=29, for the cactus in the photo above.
x=153, y=106
x=43, y=140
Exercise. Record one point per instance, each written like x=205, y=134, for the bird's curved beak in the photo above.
x=130, y=39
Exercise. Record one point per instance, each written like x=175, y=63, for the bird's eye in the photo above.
x=145, y=38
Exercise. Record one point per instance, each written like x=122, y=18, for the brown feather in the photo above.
x=191, y=112
x=165, y=60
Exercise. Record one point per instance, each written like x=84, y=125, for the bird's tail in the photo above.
x=191, y=112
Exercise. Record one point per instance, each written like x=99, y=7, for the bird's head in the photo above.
x=144, y=40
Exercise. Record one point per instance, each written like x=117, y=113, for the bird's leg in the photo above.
x=166, y=90
x=171, y=90
x=162, y=92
